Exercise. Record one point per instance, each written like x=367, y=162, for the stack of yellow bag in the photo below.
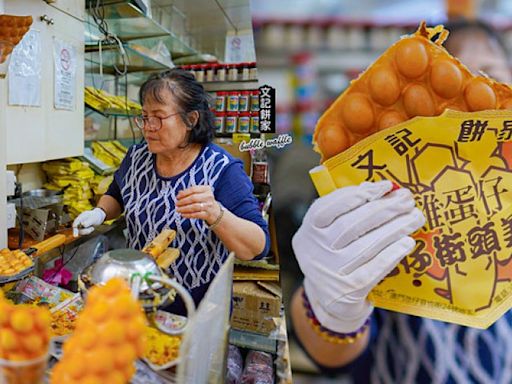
x=73, y=176
x=110, y=104
x=110, y=152
x=81, y=185
x=100, y=184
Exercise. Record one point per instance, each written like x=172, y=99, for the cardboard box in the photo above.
x=256, y=305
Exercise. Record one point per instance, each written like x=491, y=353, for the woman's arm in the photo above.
x=239, y=235
x=110, y=206
x=322, y=352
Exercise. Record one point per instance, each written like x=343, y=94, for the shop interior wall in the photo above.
x=3, y=150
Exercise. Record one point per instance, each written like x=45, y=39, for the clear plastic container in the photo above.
x=232, y=72
x=210, y=72
x=23, y=372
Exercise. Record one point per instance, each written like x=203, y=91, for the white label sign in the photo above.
x=64, y=55
x=240, y=48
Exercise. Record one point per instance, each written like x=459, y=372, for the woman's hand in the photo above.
x=198, y=202
x=349, y=240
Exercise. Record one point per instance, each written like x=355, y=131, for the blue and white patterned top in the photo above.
x=412, y=350
x=148, y=200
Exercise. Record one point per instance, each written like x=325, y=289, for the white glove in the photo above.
x=348, y=242
x=86, y=221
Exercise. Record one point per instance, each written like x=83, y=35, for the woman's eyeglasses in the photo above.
x=151, y=123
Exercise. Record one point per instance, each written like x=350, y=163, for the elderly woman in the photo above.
x=179, y=179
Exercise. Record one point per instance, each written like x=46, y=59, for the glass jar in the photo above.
x=244, y=71
x=199, y=70
x=221, y=72
x=253, y=71
x=232, y=72
x=210, y=72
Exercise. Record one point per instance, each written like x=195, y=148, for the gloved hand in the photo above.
x=349, y=240
x=86, y=221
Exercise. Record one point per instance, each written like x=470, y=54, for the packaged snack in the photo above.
x=234, y=365
x=259, y=368
x=458, y=168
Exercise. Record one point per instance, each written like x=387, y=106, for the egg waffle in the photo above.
x=12, y=30
x=14, y=265
x=414, y=77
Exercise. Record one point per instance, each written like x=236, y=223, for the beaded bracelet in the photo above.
x=327, y=334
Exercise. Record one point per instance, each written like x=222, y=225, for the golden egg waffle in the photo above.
x=109, y=337
x=14, y=265
x=12, y=30
x=414, y=77
x=24, y=338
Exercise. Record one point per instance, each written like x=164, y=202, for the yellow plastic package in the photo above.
x=459, y=168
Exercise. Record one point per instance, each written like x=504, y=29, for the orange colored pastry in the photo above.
x=13, y=262
x=414, y=77
x=24, y=336
x=12, y=30
x=109, y=337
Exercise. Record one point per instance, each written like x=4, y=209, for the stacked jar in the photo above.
x=254, y=107
x=232, y=105
x=237, y=111
x=223, y=72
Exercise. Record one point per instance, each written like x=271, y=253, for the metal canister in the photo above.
x=231, y=122
x=244, y=122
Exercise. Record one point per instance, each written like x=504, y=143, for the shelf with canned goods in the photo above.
x=237, y=111
x=223, y=72
x=241, y=85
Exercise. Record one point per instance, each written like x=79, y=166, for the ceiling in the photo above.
x=204, y=23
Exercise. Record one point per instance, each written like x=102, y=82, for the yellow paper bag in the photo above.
x=459, y=168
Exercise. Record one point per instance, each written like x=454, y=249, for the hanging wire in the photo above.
x=98, y=15
x=127, y=108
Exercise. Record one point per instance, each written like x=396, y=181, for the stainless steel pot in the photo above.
x=148, y=282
